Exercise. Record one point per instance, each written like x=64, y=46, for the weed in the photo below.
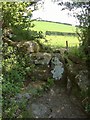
x=49, y=83
x=77, y=52
x=87, y=107
x=14, y=71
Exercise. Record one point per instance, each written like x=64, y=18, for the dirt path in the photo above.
x=55, y=104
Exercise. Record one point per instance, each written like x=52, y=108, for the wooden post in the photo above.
x=67, y=45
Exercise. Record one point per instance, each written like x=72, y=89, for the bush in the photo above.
x=14, y=72
x=60, y=33
x=27, y=35
x=77, y=51
x=17, y=22
x=49, y=83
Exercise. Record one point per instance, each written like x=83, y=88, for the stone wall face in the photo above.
x=47, y=65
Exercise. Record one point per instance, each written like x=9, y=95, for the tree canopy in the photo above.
x=17, y=18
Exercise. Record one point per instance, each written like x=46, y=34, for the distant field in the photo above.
x=60, y=41
x=57, y=41
x=50, y=26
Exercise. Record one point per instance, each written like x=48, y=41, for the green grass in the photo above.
x=50, y=26
x=60, y=41
x=57, y=41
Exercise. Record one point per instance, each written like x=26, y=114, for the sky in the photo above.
x=52, y=12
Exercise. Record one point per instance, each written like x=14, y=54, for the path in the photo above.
x=55, y=104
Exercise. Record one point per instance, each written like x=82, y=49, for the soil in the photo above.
x=54, y=103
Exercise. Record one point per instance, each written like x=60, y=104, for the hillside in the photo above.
x=51, y=26
x=57, y=40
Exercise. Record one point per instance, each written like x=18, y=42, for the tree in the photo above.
x=84, y=31
x=13, y=14
x=17, y=21
x=84, y=20
x=16, y=27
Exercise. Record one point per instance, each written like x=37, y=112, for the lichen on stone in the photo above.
x=58, y=68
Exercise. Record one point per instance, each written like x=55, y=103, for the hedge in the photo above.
x=60, y=33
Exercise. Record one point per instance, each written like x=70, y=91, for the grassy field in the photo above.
x=57, y=41
x=60, y=41
x=45, y=26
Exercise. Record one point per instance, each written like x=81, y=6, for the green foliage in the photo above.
x=15, y=68
x=87, y=107
x=14, y=72
x=15, y=64
x=40, y=91
x=84, y=37
x=13, y=14
x=77, y=52
x=49, y=83
x=60, y=33
x=10, y=111
x=12, y=77
x=85, y=100
x=84, y=21
x=84, y=27
x=20, y=34
x=17, y=18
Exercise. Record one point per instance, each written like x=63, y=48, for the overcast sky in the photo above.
x=52, y=12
